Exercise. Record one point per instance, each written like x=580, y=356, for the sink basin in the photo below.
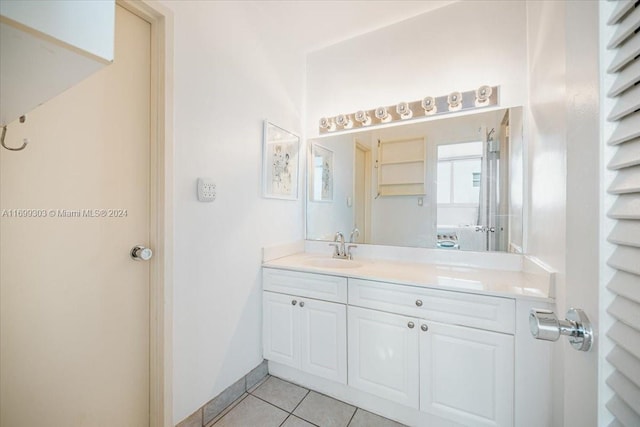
x=333, y=263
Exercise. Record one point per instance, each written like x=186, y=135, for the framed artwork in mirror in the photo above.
x=321, y=183
x=279, y=163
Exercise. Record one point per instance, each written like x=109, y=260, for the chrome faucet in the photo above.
x=340, y=251
x=339, y=245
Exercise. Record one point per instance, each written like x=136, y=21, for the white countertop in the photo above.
x=513, y=284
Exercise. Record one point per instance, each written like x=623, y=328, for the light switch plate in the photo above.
x=206, y=190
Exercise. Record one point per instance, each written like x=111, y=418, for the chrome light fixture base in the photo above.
x=429, y=106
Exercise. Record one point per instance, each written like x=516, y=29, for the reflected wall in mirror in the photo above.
x=452, y=183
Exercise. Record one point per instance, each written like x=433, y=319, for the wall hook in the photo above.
x=25, y=141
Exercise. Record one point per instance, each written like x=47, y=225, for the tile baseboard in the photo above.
x=207, y=412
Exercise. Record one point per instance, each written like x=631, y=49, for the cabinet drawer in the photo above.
x=478, y=311
x=310, y=285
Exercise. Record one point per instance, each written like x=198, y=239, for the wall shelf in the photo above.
x=401, y=167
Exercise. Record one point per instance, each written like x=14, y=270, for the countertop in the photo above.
x=512, y=284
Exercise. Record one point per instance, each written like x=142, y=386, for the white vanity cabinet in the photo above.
x=384, y=355
x=455, y=371
x=420, y=355
x=304, y=332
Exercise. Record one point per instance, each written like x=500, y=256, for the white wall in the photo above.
x=228, y=77
x=458, y=47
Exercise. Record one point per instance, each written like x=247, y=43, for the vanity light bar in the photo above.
x=483, y=97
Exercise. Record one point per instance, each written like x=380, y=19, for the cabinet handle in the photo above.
x=424, y=327
x=411, y=325
x=294, y=302
x=301, y=303
x=419, y=303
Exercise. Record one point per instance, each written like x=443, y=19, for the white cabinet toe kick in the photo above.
x=421, y=356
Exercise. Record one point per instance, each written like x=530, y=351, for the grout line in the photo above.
x=299, y=416
x=226, y=410
x=285, y=420
x=352, y=416
x=301, y=400
x=258, y=384
x=270, y=403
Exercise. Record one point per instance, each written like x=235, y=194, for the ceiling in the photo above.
x=310, y=25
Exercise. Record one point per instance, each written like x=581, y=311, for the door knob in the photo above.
x=544, y=325
x=140, y=253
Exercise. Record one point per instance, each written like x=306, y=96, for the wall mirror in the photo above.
x=453, y=183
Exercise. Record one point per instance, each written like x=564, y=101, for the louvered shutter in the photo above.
x=624, y=93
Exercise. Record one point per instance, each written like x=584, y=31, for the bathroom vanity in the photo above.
x=423, y=344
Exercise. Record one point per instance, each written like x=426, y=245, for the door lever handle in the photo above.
x=545, y=325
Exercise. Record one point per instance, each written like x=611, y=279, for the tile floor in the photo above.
x=277, y=403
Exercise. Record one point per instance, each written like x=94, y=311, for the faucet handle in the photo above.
x=349, y=254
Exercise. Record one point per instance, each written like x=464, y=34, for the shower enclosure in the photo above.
x=472, y=191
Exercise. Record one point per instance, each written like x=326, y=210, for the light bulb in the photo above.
x=455, y=101
x=344, y=121
x=403, y=110
x=429, y=105
x=362, y=117
x=382, y=114
x=483, y=93
x=326, y=123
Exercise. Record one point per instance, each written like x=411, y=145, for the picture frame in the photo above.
x=321, y=182
x=280, y=162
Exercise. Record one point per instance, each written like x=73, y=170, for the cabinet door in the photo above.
x=281, y=330
x=323, y=333
x=383, y=355
x=466, y=374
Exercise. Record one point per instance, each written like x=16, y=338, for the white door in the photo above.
x=466, y=374
x=324, y=339
x=74, y=306
x=362, y=192
x=281, y=329
x=383, y=355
